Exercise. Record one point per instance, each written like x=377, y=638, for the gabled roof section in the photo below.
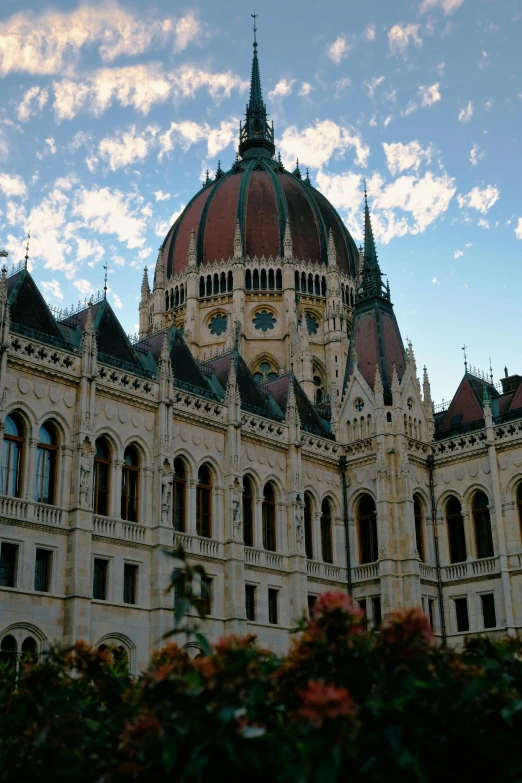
x=28, y=307
x=254, y=397
x=466, y=405
x=516, y=402
x=310, y=419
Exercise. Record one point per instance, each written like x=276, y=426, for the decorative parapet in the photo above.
x=365, y=573
x=120, y=530
x=471, y=569
x=42, y=352
x=199, y=407
x=325, y=571
x=360, y=448
x=196, y=545
x=27, y=511
x=319, y=447
x=461, y=444
x=264, y=428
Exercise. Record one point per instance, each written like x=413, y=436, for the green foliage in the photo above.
x=345, y=704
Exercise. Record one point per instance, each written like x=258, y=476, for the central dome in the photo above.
x=261, y=195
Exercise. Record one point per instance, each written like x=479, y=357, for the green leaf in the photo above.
x=169, y=755
x=203, y=642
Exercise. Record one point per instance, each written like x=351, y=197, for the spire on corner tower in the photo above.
x=371, y=276
x=332, y=253
x=145, y=287
x=426, y=387
x=256, y=135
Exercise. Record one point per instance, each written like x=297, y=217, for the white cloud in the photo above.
x=399, y=38
x=400, y=157
x=433, y=280
x=482, y=223
x=484, y=61
x=91, y=163
x=111, y=212
x=372, y=86
x=88, y=250
x=341, y=85
x=33, y=101
x=481, y=200
x=488, y=105
x=387, y=121
x=80, y=139
x=315, y=145
x=139, y=86
x=128, y=147
x=458, y=254
x=162, y=227
x=52, y=288
x=429, y=94
x=306, y=89
x=84, y=287
x=369, y=32
x=52, y=145
x=518, y=229
x=283, y=88
x=66, y=183
x=448, y=6
x=467, y=113
x=476, y=155
x=187, y=133
x=51, y=42
x=12, y=185
x=338, y=50
x=161, y=196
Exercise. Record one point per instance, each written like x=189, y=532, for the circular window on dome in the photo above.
x=312, y=324
x=264, y=320
x=218, y=324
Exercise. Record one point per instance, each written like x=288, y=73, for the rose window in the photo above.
x=218, y=324
x=265, y=373
x=264, y=320
x=312, y=324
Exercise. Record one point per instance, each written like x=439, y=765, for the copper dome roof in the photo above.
x=260, y=194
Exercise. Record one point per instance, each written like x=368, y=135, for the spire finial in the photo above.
x=256, y=135
x=27, y=248
x=254, y=17
x=371, y=275
x=465, y=358
x=106, y=267
x=490, y=371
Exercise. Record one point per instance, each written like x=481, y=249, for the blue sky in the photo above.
x=111, y=112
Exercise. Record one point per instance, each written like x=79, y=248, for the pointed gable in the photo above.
x=253, y=398
x=516, y=402
x=466, y=405
x=310, y=419
x=28, y=307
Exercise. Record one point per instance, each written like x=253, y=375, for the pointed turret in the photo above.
x=145, y=287
x=332, y=253
x=256, y=135
x=375, y=333
x=5, y=318
x=288, y=248
x=292, y=413
x=159, y=276
x=426, y=387
x=238, y=242
x=192, y=253
x=89, y=346
x=378, y=388
x=232, y=393
x=165, y=375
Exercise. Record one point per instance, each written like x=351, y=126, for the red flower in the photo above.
x=408, y=630
x=322, y=701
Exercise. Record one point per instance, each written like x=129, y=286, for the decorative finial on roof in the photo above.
x=208, y=180
x=27, y=248
x=192, y=252
x=297, y=171
x=288, y=248
x=256, y=135
x=426, y=387
x=145, y=287
x=219, y=171
x=465, y=358
x=490, y=371
x=371, y=276
x=232, y=393
x=307, y=178
x=238, y=242
x=106, y=267
x=378, y=388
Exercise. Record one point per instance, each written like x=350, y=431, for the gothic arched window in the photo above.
x=202, y=286
x=269, y=518
x=46, y=457
x=457, y=540
x=101, y=482
x=308, y=511
x=230, y=282
x=279, y=280
x=367, y=523
x=248, y=280
x=482, y=522
x=29, y=649
x=271, y=280
x=179, y=489
x=326, y=532
x=297, y=282
x=264, y=284
x=204, y=503
x=130, y=482
x=8, y=651
x=12, y=454
x=248, y=512
x=419, y=525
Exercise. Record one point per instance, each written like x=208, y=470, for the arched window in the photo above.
x=256, y=279
x=297, y=285
x=279, y=280
x=303, y=282
x=419, y=526
x=166, y=300
x=248, y=280
x=209, y=285
x=323, y=286
x=230, y=282
x=482, y=525
x=271, y=280
x=102, y=474
x=317, y=286
x=216, y=284
x=29, y=649
x=326, y=532
x=343, y=296
x=308, y=511
x=457, y=540
x=248, y=512
x=310, y=284
x=8, y=651
x=269, y=520
x=264, y=284
x=202, y=286
x=204, y=503
x=222, y=283
x=130, y=482
x=12, y=453
x=182, y=294
x=367, y=522
x=46, y=455
x=176, y=296
x=179, y=490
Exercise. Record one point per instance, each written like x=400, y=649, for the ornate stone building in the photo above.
x=269, y=418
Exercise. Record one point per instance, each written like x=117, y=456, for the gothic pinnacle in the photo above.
x=288, y=250
x=332, y=253
x=192, y=255
x=238, y=242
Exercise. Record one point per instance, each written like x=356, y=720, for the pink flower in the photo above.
x=331, y=602
x=322, y=701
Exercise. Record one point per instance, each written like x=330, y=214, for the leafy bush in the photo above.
x=345, y=704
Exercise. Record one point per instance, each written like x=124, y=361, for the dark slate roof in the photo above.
x=28, y=307
x=310, y=419
x=188, y=374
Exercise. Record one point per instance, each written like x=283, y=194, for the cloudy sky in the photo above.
x=111, y=112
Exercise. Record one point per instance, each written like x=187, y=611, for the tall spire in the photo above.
x=371, y=276
x=256, y=135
